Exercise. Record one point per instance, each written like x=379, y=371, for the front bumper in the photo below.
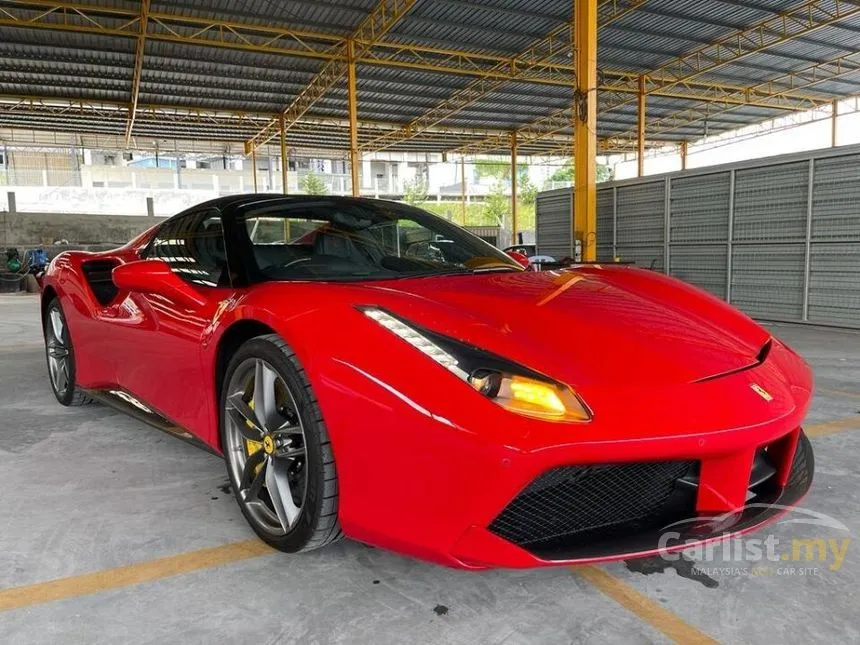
x=427, y=473
x=671, y=525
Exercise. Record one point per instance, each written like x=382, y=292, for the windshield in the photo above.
x=363, y=240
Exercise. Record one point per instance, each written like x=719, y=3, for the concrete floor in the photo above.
x=87, y=489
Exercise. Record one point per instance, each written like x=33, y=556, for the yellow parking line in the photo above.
x=643, y=607
x=107, y=579
x=832, y=427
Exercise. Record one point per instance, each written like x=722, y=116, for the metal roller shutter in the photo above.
x=647, y=257
x=834, y=283
x=767, y=280
x=771, y=203
x=640, y=214
x=605, y=224
x=700, y=208
x=701, y=265
x=836, y=199
x=553, y=226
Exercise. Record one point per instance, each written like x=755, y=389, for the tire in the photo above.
x=295, y=442
x=60, y=357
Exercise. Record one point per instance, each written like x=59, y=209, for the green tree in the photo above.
x=498, y=205
x=415, y=191
x=527, y=191
x=311, y=184
x=565, y=173
x=493, y=169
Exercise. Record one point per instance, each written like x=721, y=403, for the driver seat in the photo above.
x=359, y=247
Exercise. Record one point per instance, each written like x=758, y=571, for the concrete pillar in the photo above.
x=44, y=176
x=216, y=187
x=150, y=207
x=10, y=198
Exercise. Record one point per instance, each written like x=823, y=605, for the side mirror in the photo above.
x=521, y=258
x=155, y=276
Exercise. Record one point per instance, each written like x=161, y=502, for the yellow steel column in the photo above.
x=284, y=187
x=834, y=114
x=254, y=167
x=353, y=118
x=514, y=196
x=584, y=43
x=463, y=189
x=684, y=154
x=640, y=129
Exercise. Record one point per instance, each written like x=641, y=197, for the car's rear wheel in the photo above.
x=61, y=357
x=276, y=446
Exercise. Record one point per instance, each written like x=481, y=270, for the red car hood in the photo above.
x=613, y=324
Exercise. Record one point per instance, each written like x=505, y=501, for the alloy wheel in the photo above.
x=58, y=352
x=265, y=446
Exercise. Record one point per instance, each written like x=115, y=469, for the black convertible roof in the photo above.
x=237, y=205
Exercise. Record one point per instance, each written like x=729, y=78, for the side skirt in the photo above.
x=127, y=404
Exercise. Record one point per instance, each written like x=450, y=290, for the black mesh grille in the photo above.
x=572, y=505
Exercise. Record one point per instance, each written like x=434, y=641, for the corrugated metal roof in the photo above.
x=53, y=63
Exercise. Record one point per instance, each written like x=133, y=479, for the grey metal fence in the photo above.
x=777, y=237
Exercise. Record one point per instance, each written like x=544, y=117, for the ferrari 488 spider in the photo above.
x=371, y=370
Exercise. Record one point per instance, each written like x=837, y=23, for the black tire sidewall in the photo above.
x=305, y=528
x=69, y=395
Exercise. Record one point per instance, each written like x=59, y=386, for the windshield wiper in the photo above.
x=489, y=269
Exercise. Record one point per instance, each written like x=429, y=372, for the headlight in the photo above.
x=514, y=387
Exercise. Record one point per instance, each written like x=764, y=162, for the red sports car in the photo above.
x=368, y=369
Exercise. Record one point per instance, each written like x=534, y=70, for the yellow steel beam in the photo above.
x=802, y=79
x=537, y=54
x=604, y=146
x=584, y=202
x=352, y=97
x=254, y=167
x=801, y=20
x=76, y=16
x=284, y=162
x=79, y=17
x=611, y=98
x=138, y=67
x=677, y=78
x=541, y=52
x=514, y=195
x=384, y=16
x=73, y=16
x=236, y=122
x=640, y=129
x=113, y=21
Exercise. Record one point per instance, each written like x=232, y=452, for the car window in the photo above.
x=340, y=240
x=193, y=246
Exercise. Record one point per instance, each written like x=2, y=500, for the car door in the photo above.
x=159, y=342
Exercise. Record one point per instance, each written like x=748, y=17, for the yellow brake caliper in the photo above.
x=253, y=446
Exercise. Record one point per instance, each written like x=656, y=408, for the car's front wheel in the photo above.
x=278, y=454
x=61, y=357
